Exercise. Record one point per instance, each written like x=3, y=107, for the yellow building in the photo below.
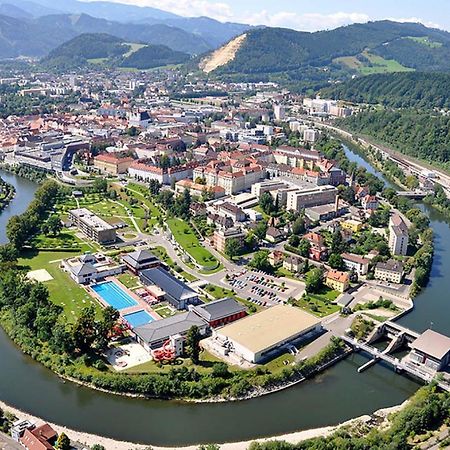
x=339, y=281
x=352, y=225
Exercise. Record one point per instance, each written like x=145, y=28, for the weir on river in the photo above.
x=331, y=398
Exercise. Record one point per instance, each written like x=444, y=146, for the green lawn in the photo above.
x=63, y=290
x=129, y=281
x=319, y=304
x=186, y=237
x=277, y=364
x=381, y=65
x=164, y=311
x=161, y=253
x=207, y=361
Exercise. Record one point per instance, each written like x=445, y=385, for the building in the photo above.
x=199, y=190
x=337, y=280
x=93, y=226
x=292, y=263
x=42, y=437
x=355, y=226
x=91, y=268
x=221, y=312
x=260, y=336
x=317, y=251
x=154, y=334
x=177, y=293
x=274, y=235
x=398, y=235
x=391, y=271
x=140, y=260
x=311, y=135
x=222, y=235
x=138, y=119
x=112, y=164
x=356, y=263
x=315, y=196
x=279, y=111
x=370, y=203
x=228, y=209
x=432, y=350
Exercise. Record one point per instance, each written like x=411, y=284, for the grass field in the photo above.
x=425, y=40
x=377, y=64
x=63, y=290
x=320, y=304
x=219, y=292
x=186, y=237
x=161, y=253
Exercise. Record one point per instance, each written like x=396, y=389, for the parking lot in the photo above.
x=263, y=289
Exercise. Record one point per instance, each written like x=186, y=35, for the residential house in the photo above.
x=222, y=236
x=337, y=280
x=398, y=235
x=318, y=251
x=356, y=263
x=391, y=271
x=274, y=235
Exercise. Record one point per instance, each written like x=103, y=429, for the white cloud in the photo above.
x=189, y=8
x=306, y=21
x=427, y=23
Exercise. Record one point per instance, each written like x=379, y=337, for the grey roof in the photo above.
x=138, y=257
x=344, y=299
x=219, y=309
x=83, y=269
x=164, y=328
x=391, y=265
x=433, y=344
x=168, y=283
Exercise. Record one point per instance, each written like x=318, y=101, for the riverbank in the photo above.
x=7, y=193
x=111, y=444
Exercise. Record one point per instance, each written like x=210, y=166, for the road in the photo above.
x=6, y=443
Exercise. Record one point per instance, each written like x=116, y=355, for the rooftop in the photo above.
x=269, y=327
x=433, y=344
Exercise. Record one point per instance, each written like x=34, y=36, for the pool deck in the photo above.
x=141, y=304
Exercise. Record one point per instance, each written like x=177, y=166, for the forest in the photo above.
x=420, y=134
x=397, y=90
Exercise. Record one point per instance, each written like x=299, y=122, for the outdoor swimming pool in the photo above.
x=138, y=318
x=111, y=293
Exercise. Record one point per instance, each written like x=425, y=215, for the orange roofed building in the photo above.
x=337, y=280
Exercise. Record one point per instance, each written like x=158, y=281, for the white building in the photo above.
x=398, y=235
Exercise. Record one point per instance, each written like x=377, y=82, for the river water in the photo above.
x=331, y=398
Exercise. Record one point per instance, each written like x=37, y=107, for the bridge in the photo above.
x=415, y=195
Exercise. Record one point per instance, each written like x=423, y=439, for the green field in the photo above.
x=320, y=304
x=63, y=290
x=425, y=40
x=377, y=64
x=185, y=236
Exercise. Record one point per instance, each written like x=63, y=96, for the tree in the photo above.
x=412, y=182
x=132, y=131
x=266, y=203
x=260, y=261
x=337, y=244
x=304, y=247
x=294, y=240
x=251, y=241
x=233, y=247
x=314, y=280
x=8, y=253
x=220, y=370
x=192, y=344
x=261, y=229
x=98, y=447
x=54, y=224
x=85, y=330
x=335, y=261
x=100, y=185
x=63, y=442
x=298, y=227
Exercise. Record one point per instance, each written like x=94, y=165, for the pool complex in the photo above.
x=114, y=296
x=138, y=318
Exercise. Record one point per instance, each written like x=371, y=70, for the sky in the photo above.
x=308, y=15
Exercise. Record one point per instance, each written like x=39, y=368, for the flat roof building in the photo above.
x=257, y=337
x=92, y=226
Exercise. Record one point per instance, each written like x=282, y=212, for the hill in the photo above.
x=38, y=36
x=397, y=90
x=372, y=47
x=213, y=32
x=95, y=48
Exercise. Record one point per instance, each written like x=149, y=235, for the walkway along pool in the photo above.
x=113, y=295
x=333, y=397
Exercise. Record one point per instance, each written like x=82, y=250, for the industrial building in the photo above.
x=258, y=337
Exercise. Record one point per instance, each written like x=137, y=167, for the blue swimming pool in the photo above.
x=111, y=293
x=138, y=318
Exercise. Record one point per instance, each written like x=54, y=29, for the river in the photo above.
x=331, y=398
